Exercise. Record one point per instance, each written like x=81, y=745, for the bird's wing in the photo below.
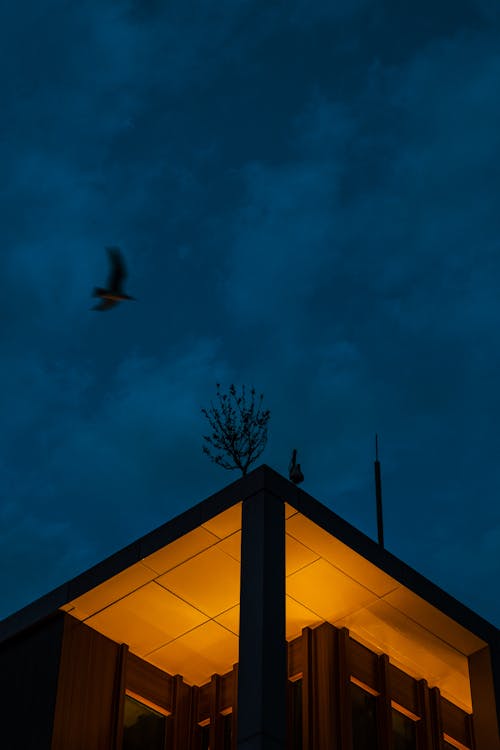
x=105, y=304
x=117, y=272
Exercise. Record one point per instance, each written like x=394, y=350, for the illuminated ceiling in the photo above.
x=179, y=607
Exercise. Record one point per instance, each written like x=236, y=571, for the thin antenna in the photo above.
x=378, y=495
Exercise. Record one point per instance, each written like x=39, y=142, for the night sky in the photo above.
x=306, y=195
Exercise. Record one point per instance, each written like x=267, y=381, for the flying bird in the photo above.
x=294, y=470
x=114, y=293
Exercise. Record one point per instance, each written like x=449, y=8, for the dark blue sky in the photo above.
x=307, y=198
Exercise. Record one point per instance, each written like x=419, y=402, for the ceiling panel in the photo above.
x=439, y=623
x=297, y=556
x=225, y=523
x=200, y=653
x=231, y=545
x=327, y=591
x=210, y=581
x=181, y=550
x=110, y=591
x=230, y=619
x=146, y=619
x=298, y=617
x=340, y=555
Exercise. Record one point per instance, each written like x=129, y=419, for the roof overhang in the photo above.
x=173, y=595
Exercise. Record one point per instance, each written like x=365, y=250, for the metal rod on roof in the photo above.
x=378, y=495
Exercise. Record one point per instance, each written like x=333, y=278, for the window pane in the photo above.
x=228, y=724
x=144, y=729
x=296, y=709
x=404, y=732
x=364, y=719
x=205, y=737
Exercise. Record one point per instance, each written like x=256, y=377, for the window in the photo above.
x=205, y=736
x=404, y=732
x=296, y=714
x=143, y=727
x=228, y=730
x=364, y=719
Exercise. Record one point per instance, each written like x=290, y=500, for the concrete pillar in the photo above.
x=262, y=671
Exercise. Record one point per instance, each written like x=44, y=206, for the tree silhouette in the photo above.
x=239, y=429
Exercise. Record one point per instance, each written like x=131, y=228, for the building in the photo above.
x=258, y=619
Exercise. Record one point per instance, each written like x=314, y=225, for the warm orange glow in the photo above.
x=209, y=581
x=343, y=588
x=198, y=654
x=454, y=743
x=405, y=711
x=363, y=685
x=179, y=607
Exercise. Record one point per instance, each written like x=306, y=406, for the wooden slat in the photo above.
x=384, y=711
x=404, y=689
x=234, y=715
x=344, y=723
x=436, y=723
x=85, y=710
x=455, y=722
x=362, y=663
x=307, y=690
x=183, y=721
x=226, y=691
x=119, y=697
x=324, y=687
x=424, y=726
x=203, y=710
x=295, y=657
x=147, y=680
x=216, y=721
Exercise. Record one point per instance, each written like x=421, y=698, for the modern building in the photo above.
x=258, y=620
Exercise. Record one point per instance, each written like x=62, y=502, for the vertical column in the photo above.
x=324, y=687
x=344, y=716
x=436, y=721
x=234, y=716
x=307, y=690
x=262, y=672
x=119, y=697
x=384, y=702
x=484, y=703
x=424, y=726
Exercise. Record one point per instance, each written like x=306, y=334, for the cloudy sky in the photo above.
x=307, y=199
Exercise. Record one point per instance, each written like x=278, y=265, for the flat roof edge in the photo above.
x=116, y=562
x=261, y=478
x=390, y=564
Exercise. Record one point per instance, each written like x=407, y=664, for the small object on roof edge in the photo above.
x=294, y=470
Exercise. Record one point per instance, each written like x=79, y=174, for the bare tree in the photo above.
x=239, y=429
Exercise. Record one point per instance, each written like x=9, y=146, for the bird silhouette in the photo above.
x=114, y=293
x=294, y=470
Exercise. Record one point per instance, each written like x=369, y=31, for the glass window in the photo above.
x=296, y=714
x=228, y=729
x=404, y=732
x=205, y=737
x=364, y=719
x=144, y=728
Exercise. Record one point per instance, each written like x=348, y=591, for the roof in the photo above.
x=334, y=572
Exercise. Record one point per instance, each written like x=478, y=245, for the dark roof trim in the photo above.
x=261, y=479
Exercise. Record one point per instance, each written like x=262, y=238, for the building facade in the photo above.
x=257, y=619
